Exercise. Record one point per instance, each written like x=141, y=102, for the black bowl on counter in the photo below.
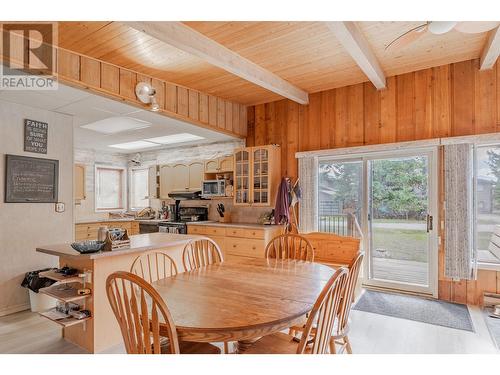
x=88, y=246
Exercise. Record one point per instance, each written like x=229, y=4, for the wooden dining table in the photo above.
x=242, y=300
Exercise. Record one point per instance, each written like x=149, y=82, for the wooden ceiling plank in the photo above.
x=357, y=46
x=189, y=40
x=491, y=50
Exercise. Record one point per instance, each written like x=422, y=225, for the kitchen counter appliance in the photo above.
x=184, y=215
x=213, y=188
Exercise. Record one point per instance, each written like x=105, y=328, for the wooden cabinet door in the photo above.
x=212, y=166
x=166, y=181
x=79, y=182
x=242, y=176
x=152, y=183
x=196, y=175
x=226, y=163
x=180, y=177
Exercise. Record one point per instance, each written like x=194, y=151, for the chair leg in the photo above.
x=347, y=345
x=226, y=347
x=333, y=350
x=291, y=332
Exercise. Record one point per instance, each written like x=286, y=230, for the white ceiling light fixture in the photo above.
x=117, y=124
x=136, y=145
x=175, y=138
x=146, y=94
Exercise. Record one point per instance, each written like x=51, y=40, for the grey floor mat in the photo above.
x=493, y=326
x=419, y=309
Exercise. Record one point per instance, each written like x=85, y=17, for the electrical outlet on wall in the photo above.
x=60, y=207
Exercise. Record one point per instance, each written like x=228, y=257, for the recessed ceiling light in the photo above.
x=134, y=145
x=175, y=138
x=113, y=125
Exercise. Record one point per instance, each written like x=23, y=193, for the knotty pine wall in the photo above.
x=448, y=100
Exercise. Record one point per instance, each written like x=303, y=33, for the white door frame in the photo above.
x=432, y=154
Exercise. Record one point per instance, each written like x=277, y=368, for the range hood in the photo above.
x=182, y=195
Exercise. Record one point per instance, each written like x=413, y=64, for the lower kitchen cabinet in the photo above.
x=238, y=241
x=88, y=231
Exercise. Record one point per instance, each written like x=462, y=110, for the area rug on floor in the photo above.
x=493, y=326
x=419, y=309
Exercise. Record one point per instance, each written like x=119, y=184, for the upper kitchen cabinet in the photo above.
x=221, y=164
x=166, y=181
x=195, y=175
x=257, y=175
x=79, y=182
x=180, y=177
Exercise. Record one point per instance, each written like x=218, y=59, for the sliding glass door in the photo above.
x=391, y=200
x=400, y=222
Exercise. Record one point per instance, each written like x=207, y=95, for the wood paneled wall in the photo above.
x=449, y=100
x=175, y=101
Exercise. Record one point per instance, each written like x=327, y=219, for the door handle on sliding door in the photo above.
x=429, y=223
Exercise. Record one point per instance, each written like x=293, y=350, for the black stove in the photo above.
x=182, y=216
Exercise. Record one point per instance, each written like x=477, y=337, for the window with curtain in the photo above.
x=109, y=188
x=139, y=189
x=487, y=203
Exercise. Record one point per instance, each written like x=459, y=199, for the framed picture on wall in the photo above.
x=31, y=180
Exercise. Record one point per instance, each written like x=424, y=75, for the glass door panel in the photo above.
x=242, y=177
x=399, y=221
x=340, y=196
x=260, y=176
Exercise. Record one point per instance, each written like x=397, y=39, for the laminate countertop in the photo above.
x=138, y=243
x=104, y=221
x=234, y=225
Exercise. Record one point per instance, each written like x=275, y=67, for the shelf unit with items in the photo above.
x=256, y=175
x=66, y=290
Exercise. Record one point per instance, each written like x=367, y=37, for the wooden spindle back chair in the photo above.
x=153, y=266
x=290, y=246
x=340, y=334
x=140, y=310
x=322, y=317
x=201, y=252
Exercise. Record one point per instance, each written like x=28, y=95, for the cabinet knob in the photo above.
x=253, y=247
x=234, y=245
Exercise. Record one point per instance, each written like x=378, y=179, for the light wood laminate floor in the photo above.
x=27, y=332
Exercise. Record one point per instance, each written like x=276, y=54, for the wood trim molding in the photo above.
x=191, y=41
x=353, y=40
x=491, y=50
x=178, y=102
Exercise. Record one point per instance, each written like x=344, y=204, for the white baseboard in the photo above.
x=13, y=309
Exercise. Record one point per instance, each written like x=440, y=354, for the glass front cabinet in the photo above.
x=257, y=175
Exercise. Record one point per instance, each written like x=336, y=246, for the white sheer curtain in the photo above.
x=308, y=182
x=459, y=256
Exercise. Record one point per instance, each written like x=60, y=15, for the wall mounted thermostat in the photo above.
x=60, y=207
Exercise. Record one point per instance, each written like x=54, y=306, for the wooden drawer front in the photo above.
x=235, y=232
x=245, y=247
x=246, y=233
x=197, y=229
x=215, y=231
x=335, y=252
x=254, y=233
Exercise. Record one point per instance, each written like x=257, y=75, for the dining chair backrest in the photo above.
x=350, y=287
x=153, y=266
x=140, y=310
x=201, y=252
x=290, y=246
x=323, y=314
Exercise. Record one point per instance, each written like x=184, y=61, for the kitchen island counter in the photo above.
x=101, y=332
x=138, y=243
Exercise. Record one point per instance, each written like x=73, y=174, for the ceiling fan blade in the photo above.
x=441, y=27
x=406, y=38
x=476, y=27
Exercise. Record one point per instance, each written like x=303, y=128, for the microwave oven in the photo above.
x=213, y=188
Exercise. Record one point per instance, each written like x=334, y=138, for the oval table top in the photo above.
x=242, y=299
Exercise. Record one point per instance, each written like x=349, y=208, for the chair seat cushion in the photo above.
x=277, y=343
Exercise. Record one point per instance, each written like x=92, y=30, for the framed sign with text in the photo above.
x=35, y=136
